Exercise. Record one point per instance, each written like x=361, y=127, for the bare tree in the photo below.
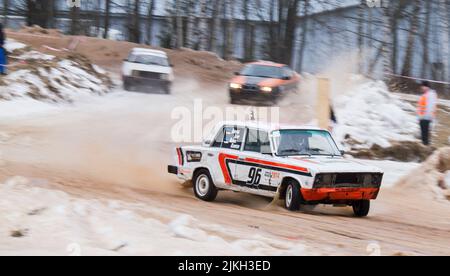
x=413, y=29
x=134, y=28
x=229, y=33
x=304, y=34
x=203, y=26
x=107, y=18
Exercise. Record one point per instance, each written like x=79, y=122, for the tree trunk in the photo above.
x=203, y=26
x=361, y=36
x=179, y=22
x=215, y=26
x=75, y=21
x=230, y=31
x=304, y=35
x=425, y=39
x=414, y=26
x=151, y=8
x=290, y=33
x=5, y=12
x=107, y=17
x=134, y=29
x=248, y=51
x=190, y=33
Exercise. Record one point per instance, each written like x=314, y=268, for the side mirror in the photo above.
x=237, y=73
x=342, y=152
x=207, y=143
x=286, y=78
x=172, y=65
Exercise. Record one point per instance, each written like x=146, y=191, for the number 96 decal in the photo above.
x=254, y=176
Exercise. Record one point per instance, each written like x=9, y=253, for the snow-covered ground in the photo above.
x=37, y=220
x=45, y=78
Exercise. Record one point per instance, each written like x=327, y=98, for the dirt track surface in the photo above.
x=118, y=148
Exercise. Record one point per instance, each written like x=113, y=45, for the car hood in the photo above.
x=332, y=165
x=270, y=82
x=129, y=66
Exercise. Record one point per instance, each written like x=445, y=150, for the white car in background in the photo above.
x=302, y=165
x=147, y=70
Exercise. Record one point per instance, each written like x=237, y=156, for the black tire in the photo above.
x=204, y=187
x=361, y=208
x=293, y=196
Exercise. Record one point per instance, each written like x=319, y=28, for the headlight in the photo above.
x=266, y=89
x=235, y=86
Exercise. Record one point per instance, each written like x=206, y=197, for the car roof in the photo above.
x=267, y=126
x=267, y=63
x=148, y=52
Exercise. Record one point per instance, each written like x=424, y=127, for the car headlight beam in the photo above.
x=266, y=89
x=235, y=86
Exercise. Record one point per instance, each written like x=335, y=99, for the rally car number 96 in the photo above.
x=302, y=165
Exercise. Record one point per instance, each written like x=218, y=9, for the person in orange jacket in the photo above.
x=426, y=111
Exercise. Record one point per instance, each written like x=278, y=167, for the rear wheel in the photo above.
x=204, y=187
x=293, y=196
x=361, y=208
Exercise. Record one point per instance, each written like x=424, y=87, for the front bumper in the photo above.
x=253, y=95
x=339, y=194
x=146, y=84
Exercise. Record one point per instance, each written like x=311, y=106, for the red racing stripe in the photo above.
x=280, y=165
x=223, y=166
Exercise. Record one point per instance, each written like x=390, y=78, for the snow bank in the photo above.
x=432, y=176
x=39, y=221
x=11, y=45
x=37, y=77
x=370, y=115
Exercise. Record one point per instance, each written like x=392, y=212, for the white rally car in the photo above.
x=147, y=70
x=302, y=165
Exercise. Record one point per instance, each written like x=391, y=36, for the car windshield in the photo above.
x=148, y=59
x=305, y=142
x=262, y=71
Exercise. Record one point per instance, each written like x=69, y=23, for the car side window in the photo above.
x=257, y=141
x=288, y=72
x=230, y=138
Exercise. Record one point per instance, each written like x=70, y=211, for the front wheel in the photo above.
x=204, y=187
x=361, y=208
x=293, y=196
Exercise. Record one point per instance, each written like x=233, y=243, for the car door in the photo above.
x=253, y=168
x=224, y=152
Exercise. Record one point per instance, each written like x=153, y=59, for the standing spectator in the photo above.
x=426, y=110
x=3, y=60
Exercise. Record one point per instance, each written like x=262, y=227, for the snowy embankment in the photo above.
x=370, y=115
x=38, y=81
x=53, y=222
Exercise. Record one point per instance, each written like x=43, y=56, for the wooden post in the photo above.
x=323, y=102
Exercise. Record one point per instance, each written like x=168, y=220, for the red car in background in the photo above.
x=263, y=81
